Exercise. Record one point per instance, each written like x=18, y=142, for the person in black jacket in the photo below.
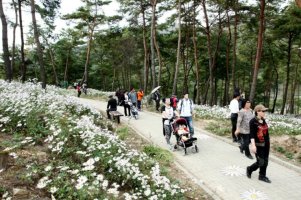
x=112, y=106
x=260, y=143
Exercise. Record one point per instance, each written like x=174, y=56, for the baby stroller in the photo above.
x=184, y=140
x=134, y=110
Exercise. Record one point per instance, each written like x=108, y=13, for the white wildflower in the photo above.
x=43, y=182
x=48, y=168
x=53, y=190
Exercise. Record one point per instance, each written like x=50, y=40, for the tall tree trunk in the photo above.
x=293, y=91
x=53, y=66
x=298, y=2
x=226, y=87
x=8, y=72
x=234, y=84
x=276, y=79
x=14, y=37
x=259, y=49
x=159, y=57
x=209, y=49
x=288, y=63
x=174, y=88
x=39, y=48
x=185, y=56
x=91, y=29
x=213, y=67
x=23, y=66
x=66, y=66
x=154, y=3
x=146, y=54
x=197, y=69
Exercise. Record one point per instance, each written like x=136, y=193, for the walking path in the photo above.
x=219, y=167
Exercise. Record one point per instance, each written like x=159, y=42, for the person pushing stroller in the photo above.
x=168, y=115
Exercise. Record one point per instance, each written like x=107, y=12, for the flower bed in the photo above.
x=84, y=159
x=279, y=124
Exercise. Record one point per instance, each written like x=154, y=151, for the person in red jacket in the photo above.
x=260, y=143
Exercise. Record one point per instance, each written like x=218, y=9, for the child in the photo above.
x=183, y=132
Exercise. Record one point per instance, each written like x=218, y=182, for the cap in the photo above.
x=260, y=108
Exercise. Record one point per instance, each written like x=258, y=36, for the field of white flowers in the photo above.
x=84, y=159
x=278, y=124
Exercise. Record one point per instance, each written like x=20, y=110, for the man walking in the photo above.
x=185, y=108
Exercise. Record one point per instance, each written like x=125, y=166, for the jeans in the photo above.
x=139, y=105
x=190, y=125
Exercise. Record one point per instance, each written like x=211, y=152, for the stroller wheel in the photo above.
x=196, y=148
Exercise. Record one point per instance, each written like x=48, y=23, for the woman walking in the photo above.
x=260, y=143
x=243, y=127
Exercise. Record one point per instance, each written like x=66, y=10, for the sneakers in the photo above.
x=248, y=172
x=264, y=179
x=249, y=156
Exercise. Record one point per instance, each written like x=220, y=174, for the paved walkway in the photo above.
x=219, y=167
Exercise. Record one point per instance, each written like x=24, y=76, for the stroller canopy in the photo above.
x=181, y=121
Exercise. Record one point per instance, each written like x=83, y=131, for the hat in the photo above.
x=260, y=108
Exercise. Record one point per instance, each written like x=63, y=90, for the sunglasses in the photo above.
x=262, y=111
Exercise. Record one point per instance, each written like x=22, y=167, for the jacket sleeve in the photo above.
x=239, y=119
x=253, y=129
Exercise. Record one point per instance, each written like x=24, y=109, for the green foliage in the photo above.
x=220, y=127
x=163, y=156
x=123, y=133
x=279, y=149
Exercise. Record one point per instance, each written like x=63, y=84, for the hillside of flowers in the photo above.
x=85, y=160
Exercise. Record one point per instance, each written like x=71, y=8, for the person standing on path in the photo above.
x=168, y=114
x=78, y=88
x=260, y=143
x=126, y=105
x=157, y=98
x=111, y=106
x=174, y=101
x=140, y=95
x=234, y=109
x=185, y=108
x=243, y=127
x=133, y=97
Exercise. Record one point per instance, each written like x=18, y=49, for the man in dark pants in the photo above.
x=112, y=106
x=260, y=144
x=157, y=98
x=234, y=109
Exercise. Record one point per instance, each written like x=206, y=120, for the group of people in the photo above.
x=174, y=108
x=80, y=88
x=124, y=97
x=251, y=128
